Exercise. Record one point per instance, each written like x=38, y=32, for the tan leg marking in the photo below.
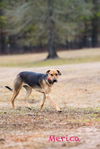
x=54, y=103
x=44, y=99
x=17, y=87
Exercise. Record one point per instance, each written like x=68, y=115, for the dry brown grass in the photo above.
x=77, y=93
x=37, y=60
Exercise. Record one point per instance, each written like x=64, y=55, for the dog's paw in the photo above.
x=29, y=108
x=59, y=111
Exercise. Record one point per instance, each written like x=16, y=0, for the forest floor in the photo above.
x=77, y=93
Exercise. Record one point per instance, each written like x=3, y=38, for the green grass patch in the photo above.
x=60, y=61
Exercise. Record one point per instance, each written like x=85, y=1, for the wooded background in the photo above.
x=39, y=25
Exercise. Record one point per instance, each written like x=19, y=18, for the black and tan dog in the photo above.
x=38, y=81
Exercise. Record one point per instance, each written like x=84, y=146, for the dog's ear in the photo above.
x=47, y=71
x=59, y=72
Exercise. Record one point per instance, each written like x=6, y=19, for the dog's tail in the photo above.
x=9, y=88
x=25, y=86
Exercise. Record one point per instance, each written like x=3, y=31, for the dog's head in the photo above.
x=53, y=75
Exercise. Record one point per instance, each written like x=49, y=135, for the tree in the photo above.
x=52, y=22
x=2, y=28
x=51, y=30
x=95, y=23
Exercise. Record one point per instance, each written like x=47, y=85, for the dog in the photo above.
x=41, y=82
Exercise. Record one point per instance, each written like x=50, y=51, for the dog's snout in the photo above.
x=54, y=80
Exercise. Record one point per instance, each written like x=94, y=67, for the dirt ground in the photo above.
x=78, y=95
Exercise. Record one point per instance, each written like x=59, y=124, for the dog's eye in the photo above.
x=51, y=74
x=56, y=74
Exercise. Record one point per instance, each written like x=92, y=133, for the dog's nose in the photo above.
x=54, y=80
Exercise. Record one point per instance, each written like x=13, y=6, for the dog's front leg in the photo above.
x=54, y=103
x=28, y=93
x=44, y=98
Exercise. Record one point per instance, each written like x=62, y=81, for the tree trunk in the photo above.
x=2, y=34
x=51, y=47
x=2, y=43
x=95, y=24
x=84, y=42
x=52, y=54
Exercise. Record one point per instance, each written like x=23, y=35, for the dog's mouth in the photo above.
x=52, y=81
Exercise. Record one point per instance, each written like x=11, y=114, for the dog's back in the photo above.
x=32, y=78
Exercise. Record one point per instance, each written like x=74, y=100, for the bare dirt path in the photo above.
x=77, y=93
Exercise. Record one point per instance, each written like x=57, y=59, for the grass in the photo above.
x=31, y=128
x=37, y=60
x=22, y=126
x=71, y=115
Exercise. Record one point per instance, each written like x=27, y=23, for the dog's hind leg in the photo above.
x=17, y=86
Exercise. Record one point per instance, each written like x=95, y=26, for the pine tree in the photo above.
x=51, y=22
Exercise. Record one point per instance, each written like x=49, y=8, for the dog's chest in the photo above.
x=46, y=87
